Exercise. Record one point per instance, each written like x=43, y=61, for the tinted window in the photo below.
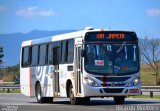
x=34, y=55
x=70, y=51
x=26, y=59
x=61, y=58
x=67, y=52
x=47, y=52
x=50, y=54
x=42, y=55
x=63, y=52
x=111, y=59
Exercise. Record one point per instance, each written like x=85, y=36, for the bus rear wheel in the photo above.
x=119, y=99
x=39, y=97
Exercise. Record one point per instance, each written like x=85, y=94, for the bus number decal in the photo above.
x=99, y=62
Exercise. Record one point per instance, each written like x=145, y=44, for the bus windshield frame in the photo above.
x=113, y=50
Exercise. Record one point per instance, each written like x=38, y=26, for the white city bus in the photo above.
x=81, y=65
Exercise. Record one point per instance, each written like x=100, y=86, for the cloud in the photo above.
x=34, y=11
x=2, y=8
x=153, y=12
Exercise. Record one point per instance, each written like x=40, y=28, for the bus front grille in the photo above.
x=116, y=85
x=114, y=79
x=113, y=90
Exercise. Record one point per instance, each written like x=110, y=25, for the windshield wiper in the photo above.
x=121, y=47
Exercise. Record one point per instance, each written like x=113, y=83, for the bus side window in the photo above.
x=38, y=54
x=50, y=54
x=42, y=54
x=46, y=56
x=34, y=55
x=70, y=51
x=66, y=51
x=63, y=52
x=61, y=58
x=26, y=59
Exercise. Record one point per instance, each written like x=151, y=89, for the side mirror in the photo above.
x=83, y=52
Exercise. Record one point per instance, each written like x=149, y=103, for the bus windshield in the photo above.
x=111, y=59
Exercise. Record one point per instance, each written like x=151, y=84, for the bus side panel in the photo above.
x=43, y=74
x=29, y=77
x=25, y=80
x=63, y=77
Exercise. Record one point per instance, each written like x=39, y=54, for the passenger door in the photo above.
x=56, y=60
x=78, y=74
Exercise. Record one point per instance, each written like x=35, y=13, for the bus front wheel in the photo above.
x=85, y=100
x=119, y=99
x=73, y=100
x=39, y=97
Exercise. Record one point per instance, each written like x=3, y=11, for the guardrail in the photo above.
x=1, y=82
x=150, y=89
x=9, y=87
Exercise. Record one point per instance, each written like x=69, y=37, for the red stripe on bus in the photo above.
x=104, y=81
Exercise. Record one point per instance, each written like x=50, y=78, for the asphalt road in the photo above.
x=19, y=102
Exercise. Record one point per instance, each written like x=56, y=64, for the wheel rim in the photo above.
x=71, y=95
x=38, y=93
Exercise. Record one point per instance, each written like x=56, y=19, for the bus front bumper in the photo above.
x=90, y=91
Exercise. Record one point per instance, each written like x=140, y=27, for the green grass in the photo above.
x=146, y=97
x=11, y=91
x=146, y=75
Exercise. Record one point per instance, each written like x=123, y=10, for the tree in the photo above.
x=14, y=78
x=150, y=54
x=1, y=55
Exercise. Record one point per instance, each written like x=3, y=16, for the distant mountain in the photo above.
x=11, y=43
x=36, y=34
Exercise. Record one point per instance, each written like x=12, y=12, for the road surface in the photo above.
x=19, y=102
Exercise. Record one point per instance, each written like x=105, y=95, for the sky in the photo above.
x=142, y=16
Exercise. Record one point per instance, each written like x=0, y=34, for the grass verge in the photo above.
x=11, y=91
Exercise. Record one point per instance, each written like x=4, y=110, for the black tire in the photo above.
x=48, y=99
x=84, y=100
x=39, y=97
x=73, y=100
x=119, y=99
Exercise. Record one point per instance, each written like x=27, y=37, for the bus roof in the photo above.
x=53, y=38
x=77, y=34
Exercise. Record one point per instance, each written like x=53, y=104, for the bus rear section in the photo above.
x=36, y=70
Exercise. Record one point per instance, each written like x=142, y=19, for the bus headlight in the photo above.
x=91, y=82
x=134, y=82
